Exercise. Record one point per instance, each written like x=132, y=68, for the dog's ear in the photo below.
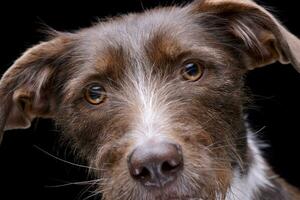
x=26, y=89
x=253, y=30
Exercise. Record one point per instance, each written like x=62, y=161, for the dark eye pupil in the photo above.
x=192, y=69
x=95, y=92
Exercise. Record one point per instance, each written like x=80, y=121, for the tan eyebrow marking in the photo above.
x=110, y=59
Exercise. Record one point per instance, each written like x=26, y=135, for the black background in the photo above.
x=28, y=173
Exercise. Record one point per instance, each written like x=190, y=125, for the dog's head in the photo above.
x=152, y=100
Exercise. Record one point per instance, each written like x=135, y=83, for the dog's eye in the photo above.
x=94, y=94
x=192, y=71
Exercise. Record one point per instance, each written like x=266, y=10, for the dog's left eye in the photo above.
x=94, y=94
x=192, y=71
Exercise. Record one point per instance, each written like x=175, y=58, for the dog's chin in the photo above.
x=170, y=192
x=167, y=192
x=176, y=197
x=173, y=194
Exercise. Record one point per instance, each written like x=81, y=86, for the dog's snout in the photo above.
x=155, y=165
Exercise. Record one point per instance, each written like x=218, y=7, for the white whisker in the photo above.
x=65, y=161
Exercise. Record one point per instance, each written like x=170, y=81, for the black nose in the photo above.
x=155, y=165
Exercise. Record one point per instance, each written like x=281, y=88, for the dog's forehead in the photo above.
x=149, y=35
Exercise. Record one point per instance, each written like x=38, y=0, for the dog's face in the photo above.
x=148, y=92
x=154, y=101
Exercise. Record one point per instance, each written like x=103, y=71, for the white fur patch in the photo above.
x=245, y=187
x=152, y=117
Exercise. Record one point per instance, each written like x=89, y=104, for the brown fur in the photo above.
x=204, y=117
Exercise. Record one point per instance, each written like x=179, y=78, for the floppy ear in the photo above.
x=26, y=89
x=253, y=30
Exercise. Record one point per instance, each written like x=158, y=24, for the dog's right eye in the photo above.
x=192, y=71
x=94, y=94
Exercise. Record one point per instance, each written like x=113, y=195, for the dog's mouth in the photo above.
x=171, y=195
x=178, y=197
x=175, y=191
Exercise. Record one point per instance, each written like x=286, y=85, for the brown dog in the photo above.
x=154, y=101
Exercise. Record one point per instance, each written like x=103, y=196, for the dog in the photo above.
x=155, y=101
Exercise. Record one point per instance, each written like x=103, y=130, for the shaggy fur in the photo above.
x=138, y=59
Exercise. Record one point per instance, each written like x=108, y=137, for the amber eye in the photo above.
x=94, y=94
x=192, y=71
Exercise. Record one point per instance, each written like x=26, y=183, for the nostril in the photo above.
x=170, y=166
x=141, y=174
